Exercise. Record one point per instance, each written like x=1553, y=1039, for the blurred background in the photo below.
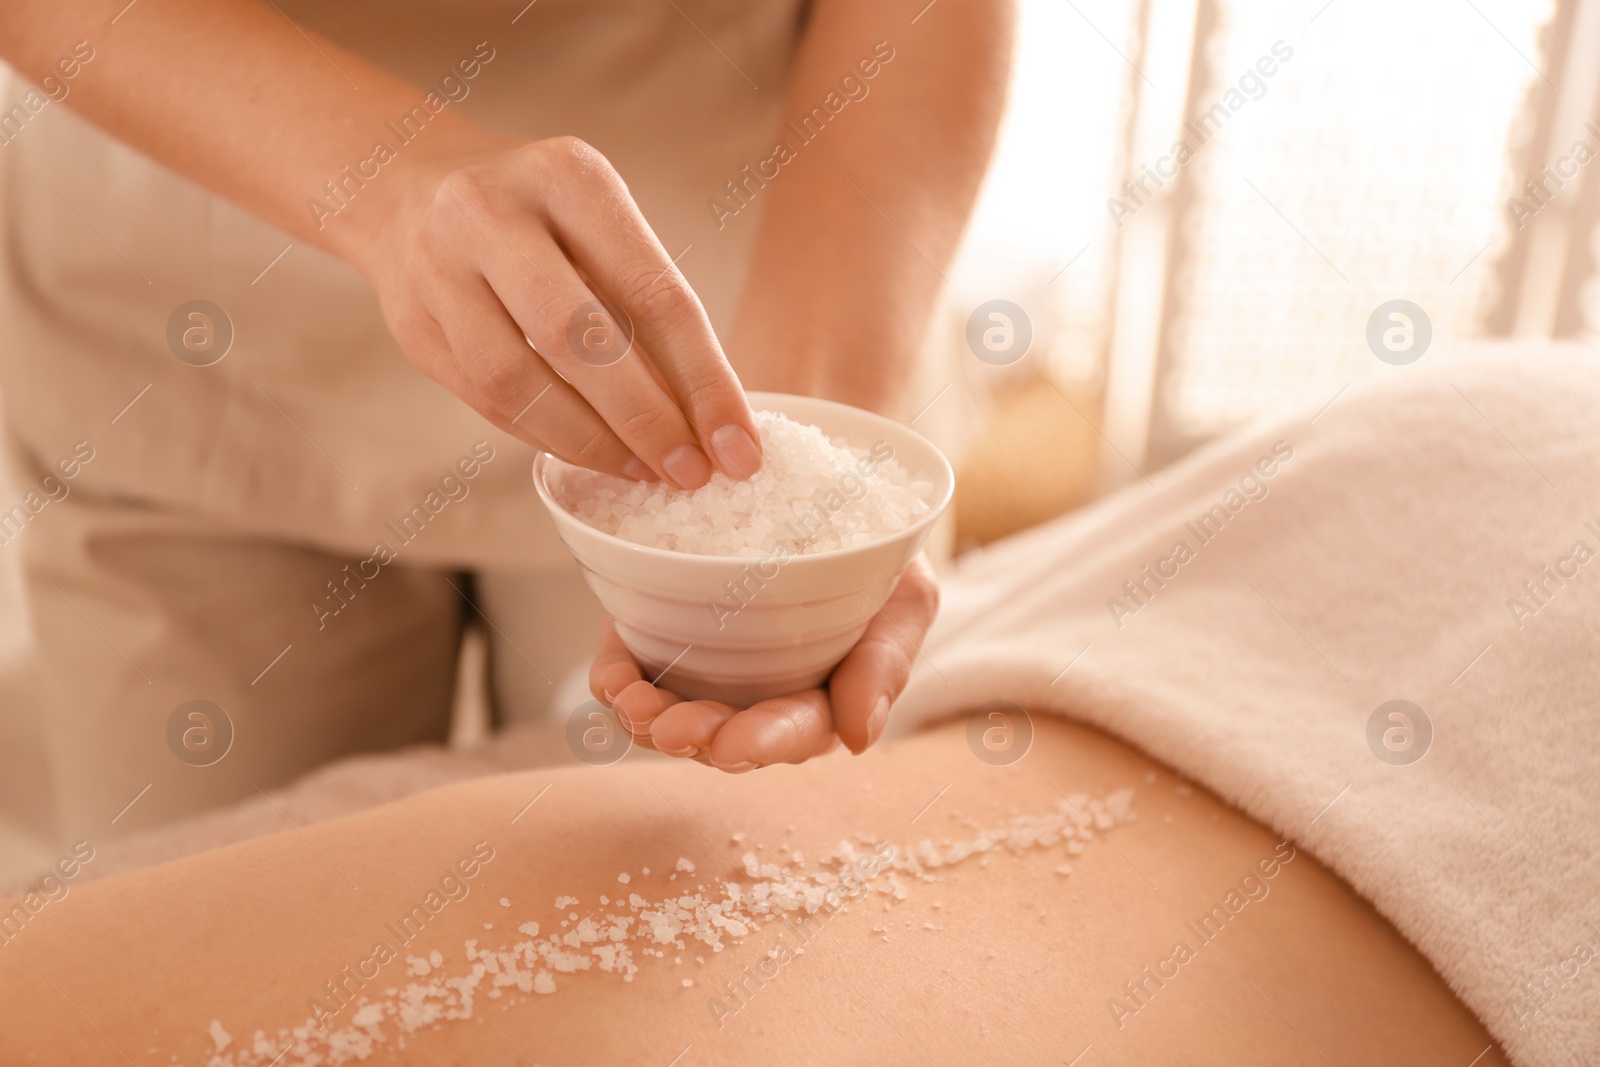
x=1336, y=155
x=1377, y=162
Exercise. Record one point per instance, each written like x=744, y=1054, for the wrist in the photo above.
x=368, y=214
x=867, y=373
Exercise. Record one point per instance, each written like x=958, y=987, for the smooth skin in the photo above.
x=1001, y=960
x=482, y=249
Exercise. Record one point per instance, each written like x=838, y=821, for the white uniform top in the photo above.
x=315, y=427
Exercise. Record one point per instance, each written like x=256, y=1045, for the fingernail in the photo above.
x=607, y=698
x=638, y=470
x=735, y=768
x=688, y=467
x=687, y=752
x=736, y=451
x=877, y=720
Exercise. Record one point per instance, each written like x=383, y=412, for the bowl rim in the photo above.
x=936, y=508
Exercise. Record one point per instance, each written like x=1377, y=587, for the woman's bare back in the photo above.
x=1189, y=934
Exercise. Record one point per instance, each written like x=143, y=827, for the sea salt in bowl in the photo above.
x=760, y=618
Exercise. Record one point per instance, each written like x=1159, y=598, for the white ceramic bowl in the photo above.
x=790, y=623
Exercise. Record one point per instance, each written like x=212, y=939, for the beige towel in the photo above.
x=1375, y=552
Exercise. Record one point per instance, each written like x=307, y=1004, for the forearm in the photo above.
x=478, y=246
x=860, y=225
x=232, y=95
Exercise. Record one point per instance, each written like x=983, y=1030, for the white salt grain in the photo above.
x=812, y=494
x=717, y=915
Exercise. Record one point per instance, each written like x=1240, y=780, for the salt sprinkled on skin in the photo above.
x=811, y=494
x=712, y=915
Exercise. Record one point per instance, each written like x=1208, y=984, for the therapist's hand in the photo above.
x=479, y=246
x=523, y=278
x=853, y=708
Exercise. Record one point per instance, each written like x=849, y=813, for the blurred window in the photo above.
x=1337, y=155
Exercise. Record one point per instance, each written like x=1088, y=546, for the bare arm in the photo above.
x=861, y=224
x=477, y=245
x=231, y=95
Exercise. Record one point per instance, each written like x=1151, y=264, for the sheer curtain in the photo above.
x=1375, y=167
x=1337, y=156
